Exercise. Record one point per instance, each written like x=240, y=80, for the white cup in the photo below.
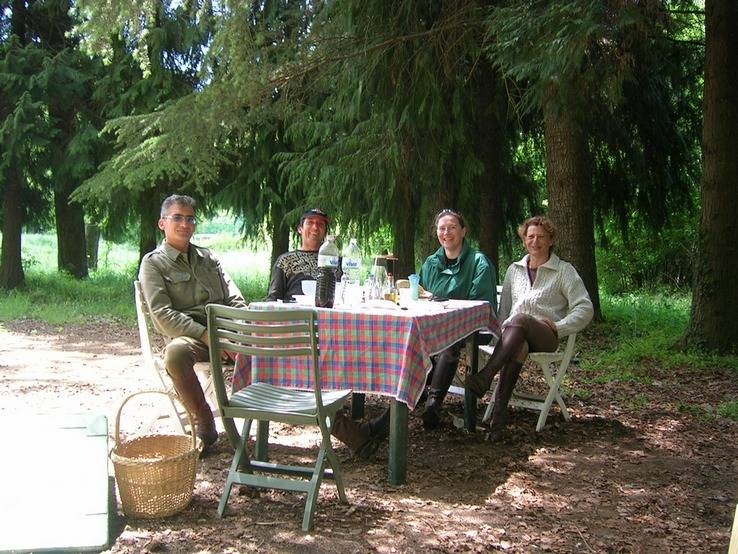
x=308, y=287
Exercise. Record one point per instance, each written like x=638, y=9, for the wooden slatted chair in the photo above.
x=274, y=334
x=554, y=366
x=150, y=338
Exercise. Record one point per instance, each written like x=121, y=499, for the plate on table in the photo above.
x=304, y=299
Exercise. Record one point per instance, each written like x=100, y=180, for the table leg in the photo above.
x=261, y=449
x=357, y=405
x=398, y=441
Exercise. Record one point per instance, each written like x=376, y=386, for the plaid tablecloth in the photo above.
x=374, y=350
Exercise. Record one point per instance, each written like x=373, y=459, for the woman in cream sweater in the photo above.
x=543, y=299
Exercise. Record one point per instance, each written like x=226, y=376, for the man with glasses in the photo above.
x=178, y=280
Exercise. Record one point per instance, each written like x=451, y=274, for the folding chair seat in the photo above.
x=273, y=334
x=151, y=347
x=559, y=361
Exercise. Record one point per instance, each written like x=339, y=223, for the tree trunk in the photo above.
x=570, y=197
x=406, y=216
x=494, y=152
x=92, y=243
x=70, y=233
x=713, y=323
x=11, y=267
x=149, y=209
x=280, y=232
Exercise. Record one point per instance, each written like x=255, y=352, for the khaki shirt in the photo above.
x=178, y=286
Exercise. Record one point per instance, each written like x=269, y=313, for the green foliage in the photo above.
x=728, y=409
x=637, y=339
x=645, y=260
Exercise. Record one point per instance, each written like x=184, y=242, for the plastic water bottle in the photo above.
x=325, y=288
x=351, y=266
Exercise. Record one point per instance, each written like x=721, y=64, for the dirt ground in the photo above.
x=640, y=468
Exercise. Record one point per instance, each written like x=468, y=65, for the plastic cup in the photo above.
x=308, y=287
x=414, y=286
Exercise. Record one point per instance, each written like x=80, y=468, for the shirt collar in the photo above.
x=171, y=252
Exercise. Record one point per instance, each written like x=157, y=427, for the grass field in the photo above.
x=57, y=298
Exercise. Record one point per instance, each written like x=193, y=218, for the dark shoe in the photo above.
x=478, y=383
x=208, y=437
x=357, y=436
x=432, y=413
x=495, y=433
x=432, y=416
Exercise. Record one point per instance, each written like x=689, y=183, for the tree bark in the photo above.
x=149, y=208
x=713, y=322
x=70, y=233
x=406, y=218
x=568, y=181
x=11, y=267
x=11, y=263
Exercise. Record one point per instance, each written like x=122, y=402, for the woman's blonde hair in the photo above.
x=537, y=221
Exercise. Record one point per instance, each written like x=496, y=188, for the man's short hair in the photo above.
x=178, y=200
x=315, y=212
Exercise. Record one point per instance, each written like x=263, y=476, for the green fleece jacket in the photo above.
x=470, y=277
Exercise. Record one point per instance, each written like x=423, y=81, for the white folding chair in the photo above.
x=553, y=378
x=153, y=361
x=733, y=546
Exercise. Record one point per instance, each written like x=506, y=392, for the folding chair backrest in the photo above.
x=270, y=335
x=265, y=334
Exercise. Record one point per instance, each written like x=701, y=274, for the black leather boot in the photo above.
x=432, y=413
x=443, y=375
x=190, y=393
x=508, y=378
x=380, y=426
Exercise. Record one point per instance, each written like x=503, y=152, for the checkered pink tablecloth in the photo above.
x=374, y=350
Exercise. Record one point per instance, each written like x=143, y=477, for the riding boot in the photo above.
x=190, y=393
x=480, y=382
x=380, y=426
x=443, y=376
x=508, y=378
x=357, y=436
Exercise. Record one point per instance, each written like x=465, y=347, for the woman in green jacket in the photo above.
x=460, y=272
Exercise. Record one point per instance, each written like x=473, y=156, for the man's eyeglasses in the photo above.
x=179, y=218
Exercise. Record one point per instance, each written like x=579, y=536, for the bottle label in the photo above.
x=327, y=261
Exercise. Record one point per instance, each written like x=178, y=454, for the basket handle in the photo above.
x=154, y=391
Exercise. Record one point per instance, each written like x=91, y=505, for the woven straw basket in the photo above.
x=155, y=473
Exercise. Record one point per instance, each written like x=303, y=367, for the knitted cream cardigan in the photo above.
x=558, y=293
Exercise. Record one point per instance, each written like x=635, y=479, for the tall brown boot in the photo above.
x=480, y=382
x=508, y=378
x=190, y=393
x=357, y=436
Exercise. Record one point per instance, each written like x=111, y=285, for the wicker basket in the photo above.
x=155, y=473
